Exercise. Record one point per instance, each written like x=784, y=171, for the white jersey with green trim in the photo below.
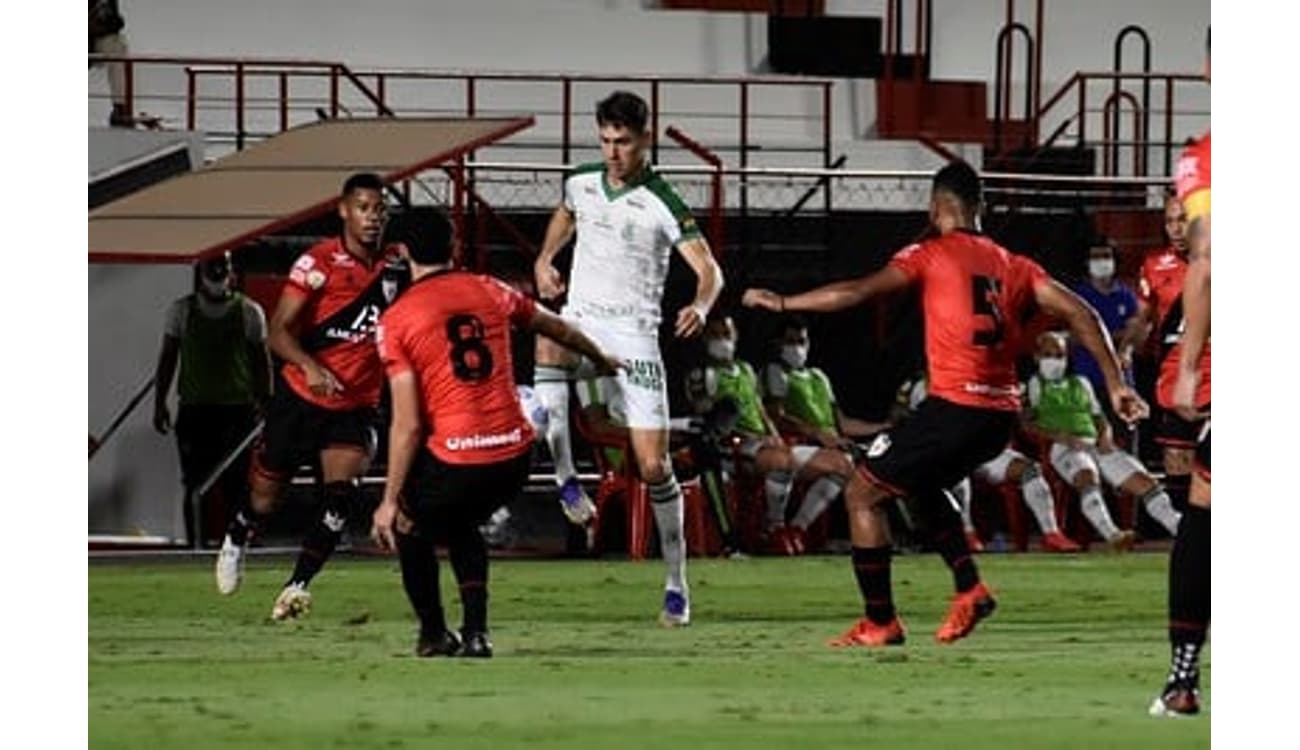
x=625, y=239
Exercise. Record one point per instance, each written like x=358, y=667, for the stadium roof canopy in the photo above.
x=276, y=183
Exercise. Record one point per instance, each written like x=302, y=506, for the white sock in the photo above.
x=1038, y=496
x=776, y=487
x=1094, y=509
x=815, y=501
x=961, y=491
x=552, y=388
x=1161, y=508
x=666, y=499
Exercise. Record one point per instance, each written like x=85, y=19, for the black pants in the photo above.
x=205, y=436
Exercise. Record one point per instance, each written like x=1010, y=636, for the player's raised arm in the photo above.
x=708, y=285
x=550, y=284
x=838, y=295
x=1087, y=327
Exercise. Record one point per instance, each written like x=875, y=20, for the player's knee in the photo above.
x=1141, y=484
x=1178, y=461
x=1200, y=492
x=1024, y=472
x=833, y=462
x=654, y=469
x=1084, y=479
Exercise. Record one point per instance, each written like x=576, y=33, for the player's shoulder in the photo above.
x=586, y=172
x=658, y=186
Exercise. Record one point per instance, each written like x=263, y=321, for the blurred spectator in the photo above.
x=760, y=445
x=218, y=337
x=1117, y=304
x=105, y=25
x=1062, y=411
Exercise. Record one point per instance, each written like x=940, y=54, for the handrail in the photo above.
x=122, y=415
x=1145, y=124
x=1110, y=150
x=1002, y=80
x=717, y=230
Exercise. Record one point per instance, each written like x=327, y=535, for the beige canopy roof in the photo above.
x=276, y=183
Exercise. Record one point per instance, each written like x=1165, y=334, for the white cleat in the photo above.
x=230, y=567
x=294, y=601
x=578, y=508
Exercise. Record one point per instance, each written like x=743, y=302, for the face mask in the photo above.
x=723, y=350
x=1052, y=368
x=794, y=355
x=1102, y=268
x=214, y=288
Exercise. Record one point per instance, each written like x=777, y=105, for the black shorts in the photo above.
x=296, y=430
x=1172, y=431
x=1202, y=461
x=935, y=448
x=438, y=495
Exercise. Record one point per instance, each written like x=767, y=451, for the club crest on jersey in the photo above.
x=629, y=232
x=389, y=287
x=879, y=446
x=315, y=278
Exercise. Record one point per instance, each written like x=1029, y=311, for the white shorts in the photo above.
x=643, y=387
x=1115, y=468
x=994, y=471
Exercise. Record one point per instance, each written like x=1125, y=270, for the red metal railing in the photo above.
x=717, y=228
x=1079, y=85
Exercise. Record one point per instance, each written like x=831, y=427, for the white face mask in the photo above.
x=1052, y=368
x=794, y=355
x=723, y=350
x=214, y=289
x=1101, y=268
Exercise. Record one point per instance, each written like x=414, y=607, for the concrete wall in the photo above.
x=135, y=484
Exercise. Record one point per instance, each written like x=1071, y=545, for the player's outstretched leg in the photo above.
x=264, y=488
x=1189, y=612
x=317, y=546
x=666, y=500
x=972, y=601
x=551, y=384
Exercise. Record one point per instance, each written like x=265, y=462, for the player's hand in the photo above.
x=1184, y=396
x=162, y=419
x=764, y=298
x=1128, y=404
x=321, y=381
x=550, y=284
x=608, y=364
x=382, y=525
x=690, y=321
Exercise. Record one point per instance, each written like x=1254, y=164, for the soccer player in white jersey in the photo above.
x=628, y=221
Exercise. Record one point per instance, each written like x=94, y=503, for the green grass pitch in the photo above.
x=1071, y=659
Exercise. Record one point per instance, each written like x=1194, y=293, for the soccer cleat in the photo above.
x=1055, y=541
x=477, y=646
x=1123, y=541
x=447, y=643
x=578, y=508
x=677, y=610
x=966, y=610
x=734, y=553
x=1175, y=701
x=784, y=540
x=973, y=541
x=230, y=567
x=867, y=633
x=294, y=601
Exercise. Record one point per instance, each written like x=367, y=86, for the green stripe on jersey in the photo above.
x=676, y=206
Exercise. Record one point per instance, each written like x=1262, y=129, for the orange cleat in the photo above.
x=966, y=610
x=867, y=633
x=973, y=541
x=1055, y=541
x=1123, y=541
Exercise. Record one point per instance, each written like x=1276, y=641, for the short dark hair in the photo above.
x=1103, y=241
x=623, y=108
x=363, y=181
x=426, y=234
x=961, y=180
x=793, y=322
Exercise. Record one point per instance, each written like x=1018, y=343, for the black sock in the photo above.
x=468, y=553
x=949, y=541
x=420, y=579
x=242, y=525
x=871, y=566
x=324, y=535
x=1177, y=486
x=1189, y=595
x=952, y=547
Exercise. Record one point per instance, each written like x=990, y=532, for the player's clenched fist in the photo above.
x=764, y=298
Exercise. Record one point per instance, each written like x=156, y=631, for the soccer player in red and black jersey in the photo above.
x=974, y=295
x=460, y=445
x=329, y=387
x=1189, y=562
